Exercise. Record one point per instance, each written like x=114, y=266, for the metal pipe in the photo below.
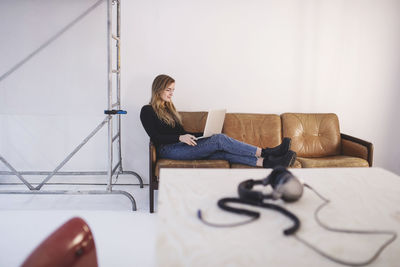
x=70, y=184
x=110, y=154
x=66, y=173
x=115, y=137
x=109, y=88
x=70, y=173
x=119, y=79
x=66, y=192
x=135, y=174
x=72, y=153
x=110, y=170
x=109, y=55
x=15, y=172
x=116, y=167
x=48, y=42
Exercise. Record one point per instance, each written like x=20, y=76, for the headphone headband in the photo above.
x=285, y=185
x=245, y=190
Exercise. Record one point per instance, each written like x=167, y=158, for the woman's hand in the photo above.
x=188, y=139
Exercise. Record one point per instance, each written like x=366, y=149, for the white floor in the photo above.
x=123, y=237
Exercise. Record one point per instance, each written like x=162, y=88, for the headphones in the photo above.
x=289, y=188
x=285, y=186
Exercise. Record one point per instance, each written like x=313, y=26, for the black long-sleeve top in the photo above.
x=160, y=132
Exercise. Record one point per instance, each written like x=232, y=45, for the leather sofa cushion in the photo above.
x=313, y=135
x=262, y=130
x=296, y=164
x=332, y=161
x=170, y=163
x=242, y=166
x=193, y=122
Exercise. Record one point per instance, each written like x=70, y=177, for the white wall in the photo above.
x=250, y=56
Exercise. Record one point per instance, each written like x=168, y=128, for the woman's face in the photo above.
x=168, y=92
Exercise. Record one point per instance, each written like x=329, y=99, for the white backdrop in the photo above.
x=253, y=56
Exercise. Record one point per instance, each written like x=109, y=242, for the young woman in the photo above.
x=164, y=126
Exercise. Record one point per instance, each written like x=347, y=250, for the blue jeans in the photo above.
x=218, y=146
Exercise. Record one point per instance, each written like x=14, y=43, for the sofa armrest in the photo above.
x=153, y=153
x=152, y=159
x=352, y=146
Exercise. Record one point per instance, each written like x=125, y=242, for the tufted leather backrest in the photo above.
x=313, y=135
x=263, y=130
x=194, y=122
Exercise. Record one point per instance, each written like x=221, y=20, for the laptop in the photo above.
x=214, y=123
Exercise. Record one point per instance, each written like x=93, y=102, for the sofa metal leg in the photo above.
x=151, y=194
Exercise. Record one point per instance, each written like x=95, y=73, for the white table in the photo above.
x=361, y=198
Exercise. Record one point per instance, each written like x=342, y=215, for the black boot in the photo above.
x=278, y=150
x=286, y=160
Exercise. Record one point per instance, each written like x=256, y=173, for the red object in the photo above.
x=70, y=245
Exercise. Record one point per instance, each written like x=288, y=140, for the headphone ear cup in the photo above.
x=276, y=176
x=286, y=184
x=292, y=189
x=245, y=192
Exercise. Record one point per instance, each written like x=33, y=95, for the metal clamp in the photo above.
x=114, y=111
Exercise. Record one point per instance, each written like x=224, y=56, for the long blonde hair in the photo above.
x=165, y=111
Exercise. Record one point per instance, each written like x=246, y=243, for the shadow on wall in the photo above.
x=392, y=130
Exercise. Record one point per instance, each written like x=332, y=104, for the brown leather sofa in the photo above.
x=315, y=137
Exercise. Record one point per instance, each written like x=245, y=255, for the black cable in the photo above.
x=348, y=231
x=223, y=204
x=200, y=216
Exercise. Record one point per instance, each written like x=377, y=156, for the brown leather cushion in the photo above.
x=313, y=135
x=262, y=130
x=193, y=122
x=332, y=161
x=296, y=164
x=170, y=163
x=243, y=166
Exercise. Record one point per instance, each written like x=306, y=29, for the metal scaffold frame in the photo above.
x=113, y=112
